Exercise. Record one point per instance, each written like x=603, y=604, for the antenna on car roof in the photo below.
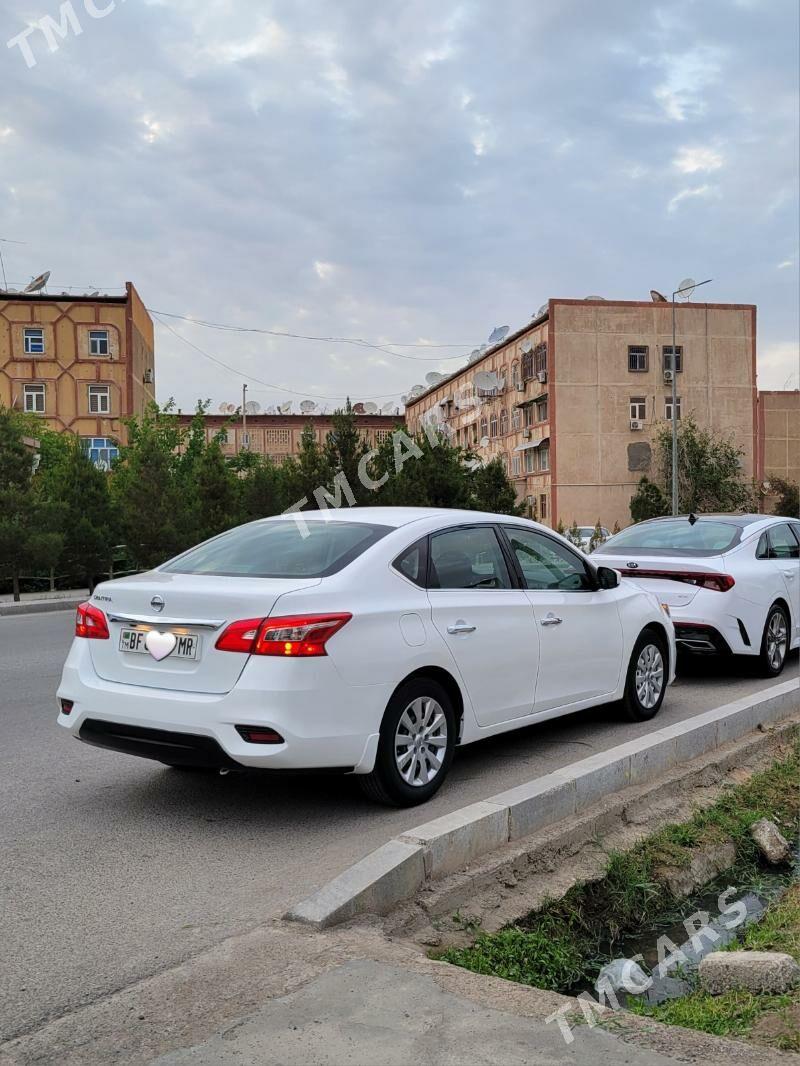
x=692, y=519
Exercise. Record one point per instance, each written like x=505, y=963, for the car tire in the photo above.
x=647, y=679
x=408, y=772
x=774, y=642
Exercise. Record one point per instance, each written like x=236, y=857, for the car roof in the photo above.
x=396, y=516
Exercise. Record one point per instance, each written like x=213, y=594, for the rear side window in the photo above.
x=280, y=549
x=413, y=563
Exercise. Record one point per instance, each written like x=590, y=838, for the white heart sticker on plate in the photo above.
x=160, y=644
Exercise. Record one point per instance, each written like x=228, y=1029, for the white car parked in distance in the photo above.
x=732, y=582
x=370, y=641
x=587, y=532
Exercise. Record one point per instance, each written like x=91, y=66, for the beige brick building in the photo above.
x=581, y=390
x=81, y=363
x=278, y=436
x=779, y=435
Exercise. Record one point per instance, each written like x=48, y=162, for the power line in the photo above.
x=260, y=381
x=358, y=341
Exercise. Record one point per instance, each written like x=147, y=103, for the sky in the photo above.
x=403, y=172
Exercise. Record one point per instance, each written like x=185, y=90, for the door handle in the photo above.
x=461, y=627
x=551, y=620
x=789, y=574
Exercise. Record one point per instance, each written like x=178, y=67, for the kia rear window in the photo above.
x=678, y=536
x=295, y=549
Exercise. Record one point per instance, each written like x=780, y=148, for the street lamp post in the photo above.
x=674, y=363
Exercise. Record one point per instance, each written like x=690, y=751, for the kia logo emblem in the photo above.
x=633, y=566
x=157, y=603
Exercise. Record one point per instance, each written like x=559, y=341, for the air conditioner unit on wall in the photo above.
x=148, y=377
x=520, y=386
x=668, y=375
x=526, y=433
x=636, y=424
x=541, y=376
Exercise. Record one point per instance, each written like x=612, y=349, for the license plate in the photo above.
x=187, y=645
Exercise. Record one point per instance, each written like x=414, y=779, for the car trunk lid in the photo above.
x=675, y=580
x=187, y=606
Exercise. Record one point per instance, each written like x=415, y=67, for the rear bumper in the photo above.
x=323, y=724
x=707, y=626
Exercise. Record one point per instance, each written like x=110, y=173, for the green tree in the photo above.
x=492, y=491
x=263, y=491
x=573, y=534
x=342, y=453
x=306, y=472
x=597, y=536
x=788, y=502
x=422, y=472
x=217, y=496
x=648, y=501
x=709, y=470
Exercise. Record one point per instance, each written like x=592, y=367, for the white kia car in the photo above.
x=369, y=641
x=732, y=582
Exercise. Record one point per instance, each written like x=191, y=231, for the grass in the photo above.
x=737, y=1013
x=562, y=944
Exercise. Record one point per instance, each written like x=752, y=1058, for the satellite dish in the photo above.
x=483, y=348
x=485, y=379
x=232, y=408
x=38, y=283
x=370, y=408
x=307, y=406
x=594, y=297
x=223, y=408
x=475, y=354
x=358, y=408
x=541, y=311
x=252, y=407
x=404, y=399
x=657, y=298
x=285, y=408
x=498, y=334
x=95, y=293
x=271, y=410
x=484, y=442
x=687, y=287
x=526, y=345
x=387, y=409
x=417, y=390
x=434, y=377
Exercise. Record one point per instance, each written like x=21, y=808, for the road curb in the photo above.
x=399, y=869
x=9, y=610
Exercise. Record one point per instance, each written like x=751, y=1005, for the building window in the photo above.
x=541, y=410
x=637, y=358
x=638, y=408
x=98, y=342
x=484, y=427
x=380, y=435
x=503, y=422
x=33, y=399
x=530, y=460
x=516, y=418
x=515, y=373
x=516, y=464
x=503, y=379
x=530, y=414
x=667, y=355
x=540, y=358
x=493, y=424
x=33, y=341
x=542, y=507
x=668, y=408
x=527, y=366
x=101, y=450
x=544, y=458
x=99, y=400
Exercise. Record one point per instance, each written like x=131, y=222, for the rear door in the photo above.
x=487, y=623
x=783, y=557
x=579, y=626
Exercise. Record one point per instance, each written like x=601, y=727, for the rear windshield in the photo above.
x=675, y=536
x=280, y=549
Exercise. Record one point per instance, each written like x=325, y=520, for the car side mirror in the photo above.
x=607, y=578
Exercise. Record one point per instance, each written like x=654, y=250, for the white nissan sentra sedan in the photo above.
x=366, y=640
x=731, y=582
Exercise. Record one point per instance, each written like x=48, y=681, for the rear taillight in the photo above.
x=91, y=623
x=294, y=636
x=717, y=582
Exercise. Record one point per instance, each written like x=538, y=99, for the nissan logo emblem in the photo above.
x=633, y=566
x=157, y=603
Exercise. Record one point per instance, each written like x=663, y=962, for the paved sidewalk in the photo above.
x=34, y=602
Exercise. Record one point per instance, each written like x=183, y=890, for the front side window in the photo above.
x=98, y=342
x=99, y=399
x=468, y=559
x=547, y=564
x=782, y=543
x=33, y=399
x=282, y=548
x=33, y=341
x=637, y=358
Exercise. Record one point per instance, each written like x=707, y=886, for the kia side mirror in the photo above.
x=607, y=578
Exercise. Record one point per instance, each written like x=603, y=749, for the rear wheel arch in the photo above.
x=448, y=683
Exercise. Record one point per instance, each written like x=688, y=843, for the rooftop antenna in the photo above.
x=5, y=240
x=37, y=284
x=285, y=408
x=307, y=407
x=370, y=408
x=223, y=408
x=434, y=377
x=387, y=408
x=252, y=407
x=358, y=408
x=657, y=297
x=687, y=287
x=541, y=311
x=526, y=345
x=498, y=334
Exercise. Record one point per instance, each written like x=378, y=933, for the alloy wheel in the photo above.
x=649, y=676
x=420, y=741
x=777, y=639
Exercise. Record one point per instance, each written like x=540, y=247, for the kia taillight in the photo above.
x=294, y=636
x=90, y=622
x=716, y=582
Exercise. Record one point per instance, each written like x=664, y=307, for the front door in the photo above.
x=487, y=624
x=580, y=632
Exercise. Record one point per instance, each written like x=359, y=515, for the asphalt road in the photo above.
x=113, y=868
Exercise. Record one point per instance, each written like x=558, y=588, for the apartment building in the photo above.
x=571, y=402
x=779, y=435
x=80, y=363
x=278, y=436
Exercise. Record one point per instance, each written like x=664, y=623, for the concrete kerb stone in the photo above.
x=400, y=868
x=9, y=610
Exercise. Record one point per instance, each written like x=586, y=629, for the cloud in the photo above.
x=690, y=194
x=324, y=271
x=690, y=160
x=779, y=365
